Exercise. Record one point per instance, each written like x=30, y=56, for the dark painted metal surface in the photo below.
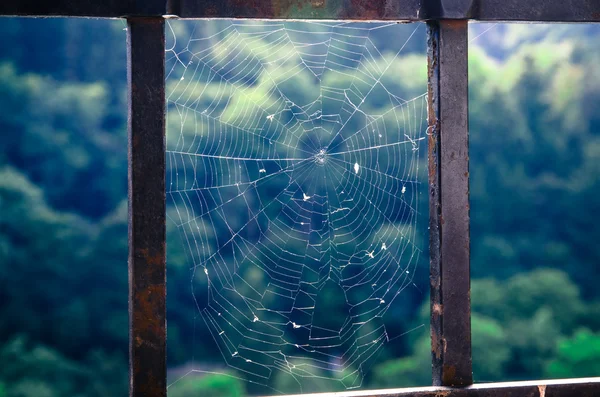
x=83, y=8
x=537, y=10
x=449, y=203
x=447, y=9
x=513, y=10
x=589, y=387
x=147, y=267
x=433, y=156
x=406, y=10
x=304, y=9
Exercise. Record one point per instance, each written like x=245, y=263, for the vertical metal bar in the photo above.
x=449, y=203
x=147, y=266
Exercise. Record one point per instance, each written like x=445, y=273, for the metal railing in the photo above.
x=448, y=164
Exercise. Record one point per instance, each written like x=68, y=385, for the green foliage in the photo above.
x=521, y=329
x=577, y=356
x=491, y=348
x=413, y=370
x=58, y=138
x=534, y=158
x=523, y=295
x=41, y=371
x=535, y=161
x=211, y=385
x=526, y=317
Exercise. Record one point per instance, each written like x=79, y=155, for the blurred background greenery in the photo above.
x=535, y=151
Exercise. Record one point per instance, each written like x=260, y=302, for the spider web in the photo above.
x=293, y=168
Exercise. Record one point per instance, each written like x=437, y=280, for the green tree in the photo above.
x=490, y=348
x=529, y=314
x=36, y=370
x=578, y=356
x=55, y=134
x=412, y=370
x=210, y=385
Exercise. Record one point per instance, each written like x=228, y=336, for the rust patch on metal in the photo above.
x=432, y=120
x=283, y=7
x=152, y=260
x=136, y=140
x=437, y=308
x=145, y=317
x=542, y=390
x=455, y=24
x=436, y=349
x=364, y=10
x=449, y=374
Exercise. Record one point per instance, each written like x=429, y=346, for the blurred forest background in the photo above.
x=535, y=162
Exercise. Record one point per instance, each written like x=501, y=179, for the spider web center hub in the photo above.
x=321, y=157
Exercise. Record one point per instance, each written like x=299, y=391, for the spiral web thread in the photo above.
x=293, y=168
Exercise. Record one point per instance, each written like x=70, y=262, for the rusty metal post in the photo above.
x=147, y=266
x=449, y=203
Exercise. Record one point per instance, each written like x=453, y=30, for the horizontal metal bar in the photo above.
x=513, y=10
x=301, y=9
x=537, y=10
x=401, y=10
x=83, y=8
x=405, y=10
x=583, y=387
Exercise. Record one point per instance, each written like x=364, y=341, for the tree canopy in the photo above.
x=534, y=150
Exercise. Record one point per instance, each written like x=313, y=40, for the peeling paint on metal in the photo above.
x=542, y=390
